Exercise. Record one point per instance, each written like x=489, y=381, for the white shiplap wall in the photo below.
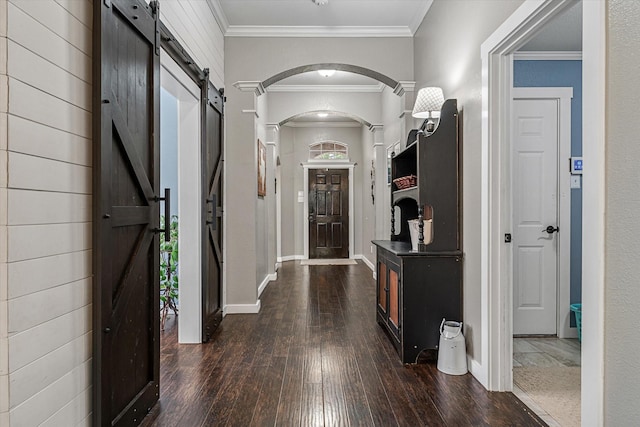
x=194, y=25
x=4, y=343
x=45, y=199
x=47, y=279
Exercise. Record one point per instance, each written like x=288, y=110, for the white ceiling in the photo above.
x=383, y=18
x=562, y=34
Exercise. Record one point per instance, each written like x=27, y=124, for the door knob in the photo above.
x=312, y=218
x=550, y=229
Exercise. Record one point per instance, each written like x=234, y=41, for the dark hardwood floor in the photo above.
x=315, y=356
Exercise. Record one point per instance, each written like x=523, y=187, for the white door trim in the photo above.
x=305, y=209
x=175, y=81
x=563, y=95
x=495, y=368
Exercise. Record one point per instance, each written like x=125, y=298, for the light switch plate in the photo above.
x=575, y=181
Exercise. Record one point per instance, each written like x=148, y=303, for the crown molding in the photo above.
x=327, y=88
x=405, y=113
x=250, y=86
x=419, y=17
x=293, y=124
x=404, y=86
x=315, y=31
x=254, y=112
x=548, y=56
x=219, y=15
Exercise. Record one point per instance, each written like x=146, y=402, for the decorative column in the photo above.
x=273, y=195
x=381, y=196
x=406, y=91
x=241, y=115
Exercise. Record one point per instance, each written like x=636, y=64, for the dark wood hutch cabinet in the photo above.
x=417, y=289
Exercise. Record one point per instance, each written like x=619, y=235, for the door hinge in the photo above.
x=507, y=237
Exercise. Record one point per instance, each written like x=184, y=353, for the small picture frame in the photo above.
x=262, y=169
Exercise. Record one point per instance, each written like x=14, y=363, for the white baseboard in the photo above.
x=366, y=261
x=478, y=372
x=242, y=308
x=290, y=258
x=568, y=332
x=265, y=282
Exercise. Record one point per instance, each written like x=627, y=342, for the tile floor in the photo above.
x=544, y=352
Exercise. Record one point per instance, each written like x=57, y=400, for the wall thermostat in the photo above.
x=576, y=165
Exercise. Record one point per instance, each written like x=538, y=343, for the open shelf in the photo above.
x=416, y=289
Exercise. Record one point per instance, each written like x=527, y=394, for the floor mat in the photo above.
x=554, y=389
x=341, y=261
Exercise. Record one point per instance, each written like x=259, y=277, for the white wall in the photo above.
x=391, y=109
x=45, y=199
x=447, y=54
x=294, y=149
x=290, y=211
x=255, y=58
x=284, y=105
x=368, y=218
x=45, y=270
x=622, y=293
x=193, y=23
x=262, y=211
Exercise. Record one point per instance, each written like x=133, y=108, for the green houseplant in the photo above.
x=169, y=273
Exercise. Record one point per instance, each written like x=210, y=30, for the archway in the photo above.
x=332, y=66
x=337, y=113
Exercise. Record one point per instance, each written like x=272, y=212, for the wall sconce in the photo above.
x=428, y=104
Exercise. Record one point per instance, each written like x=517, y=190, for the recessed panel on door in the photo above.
x=535, y=206
x=328, y=213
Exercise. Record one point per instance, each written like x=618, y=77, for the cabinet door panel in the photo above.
x=382, y=286
x=393, y=297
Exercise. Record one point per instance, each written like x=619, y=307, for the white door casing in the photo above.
x=495, y=367
x=176, y=82
x=535, y=207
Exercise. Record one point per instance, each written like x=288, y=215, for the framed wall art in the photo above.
x=262, y=169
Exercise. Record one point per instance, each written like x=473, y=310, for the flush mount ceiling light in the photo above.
x=326, y=73
x=323, y=115
x=320, y=2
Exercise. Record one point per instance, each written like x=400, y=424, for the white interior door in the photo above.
x=535, y=208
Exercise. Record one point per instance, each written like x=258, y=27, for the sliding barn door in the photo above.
x=212, y=228
x=126, y=215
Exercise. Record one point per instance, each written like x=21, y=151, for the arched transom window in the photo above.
x=329, y=151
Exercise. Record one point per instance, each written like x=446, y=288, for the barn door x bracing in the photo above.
x=212, y=155
x=126, y=211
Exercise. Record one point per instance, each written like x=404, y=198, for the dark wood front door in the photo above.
x=328, y=213
x=126, y=212
x=212, y=161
